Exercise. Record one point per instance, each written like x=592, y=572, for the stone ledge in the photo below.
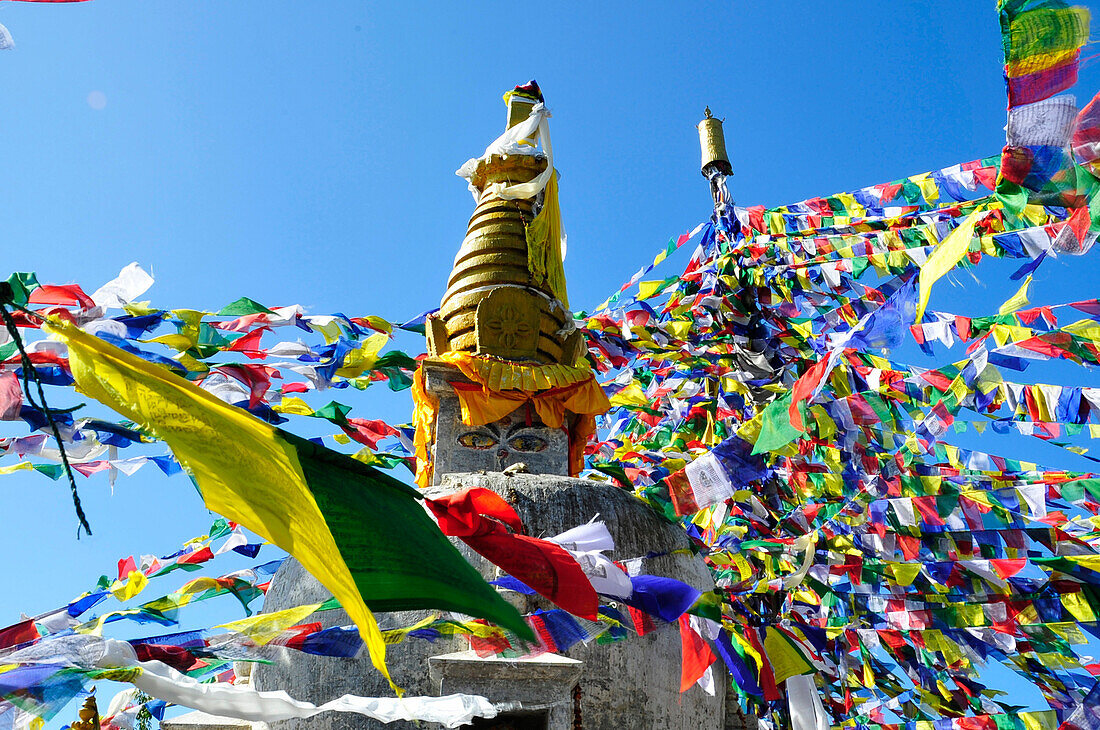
x=467, y=665
x=528, y=687
x=197, y=719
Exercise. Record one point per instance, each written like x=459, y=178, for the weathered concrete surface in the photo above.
x=519, y=437
x=320, y=679
x=636, y=680
x=542, y=684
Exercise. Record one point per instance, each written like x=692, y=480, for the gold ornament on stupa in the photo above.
x=506, y=293
x=89, y=716
x=504, y=339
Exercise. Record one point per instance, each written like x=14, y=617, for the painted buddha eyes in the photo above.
x=524, y=442
x=527, y=443
x=477, y=440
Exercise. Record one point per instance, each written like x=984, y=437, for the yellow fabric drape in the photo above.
x=544, y=236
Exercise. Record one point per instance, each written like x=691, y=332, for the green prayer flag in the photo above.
x=1092, y=485
x=395, y=359
x=614, y=471
x=776, y=430
x=708, y=605
x=22, y=284
x=53, y=471
x=398, y=557
x=396, y=378
x=220, y=528
x=335, y=412
x=1012, y=196
x=243, y=306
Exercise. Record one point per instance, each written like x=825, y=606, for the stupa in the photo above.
x=506, y=400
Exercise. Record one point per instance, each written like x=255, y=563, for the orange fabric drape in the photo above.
x=552, y=390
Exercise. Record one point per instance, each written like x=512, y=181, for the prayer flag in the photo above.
x=776, y=430
x=666, y=598
x=361, y=533
x=944, y=258
x=785, y=657
x=697, y=656
x=1018, y=300
x=480, y=518
x=11, y=396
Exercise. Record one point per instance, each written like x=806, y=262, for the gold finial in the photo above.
x=519, y=108
x=520, y=101
x=89, y=715
x=712, y=143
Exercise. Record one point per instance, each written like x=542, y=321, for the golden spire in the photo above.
x=506, y=293
x=89, y=716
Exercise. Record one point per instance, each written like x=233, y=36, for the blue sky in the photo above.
x=305, y=153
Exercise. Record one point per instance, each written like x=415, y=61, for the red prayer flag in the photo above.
x=126, y=566
x=256, y=377
x=11, y=396
x=643, y=622
x=679, y=490
x=804, y=388
x=19, y=633
x=366, y=431
x=176, y=657
x=696, y=654
x=57, y=294
x=480, y=518
x=295, y=636
x=196, y=557
x=928, y=510
x=250, y=344
x=1079, y=223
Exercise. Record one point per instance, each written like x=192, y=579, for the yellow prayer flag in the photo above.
x=905, y=573
x=945, y=257
x=134, y=584
x=363, y=357
x=12, y=468
x=174, y=341
x=631, y=395
x=294, y=406
x=1018, y=300
x=785, y=658
x=1039, y=720
x=263, y=627
x=278, y=506
x=927, y=186
x=1084, y=328
x=646, y=289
